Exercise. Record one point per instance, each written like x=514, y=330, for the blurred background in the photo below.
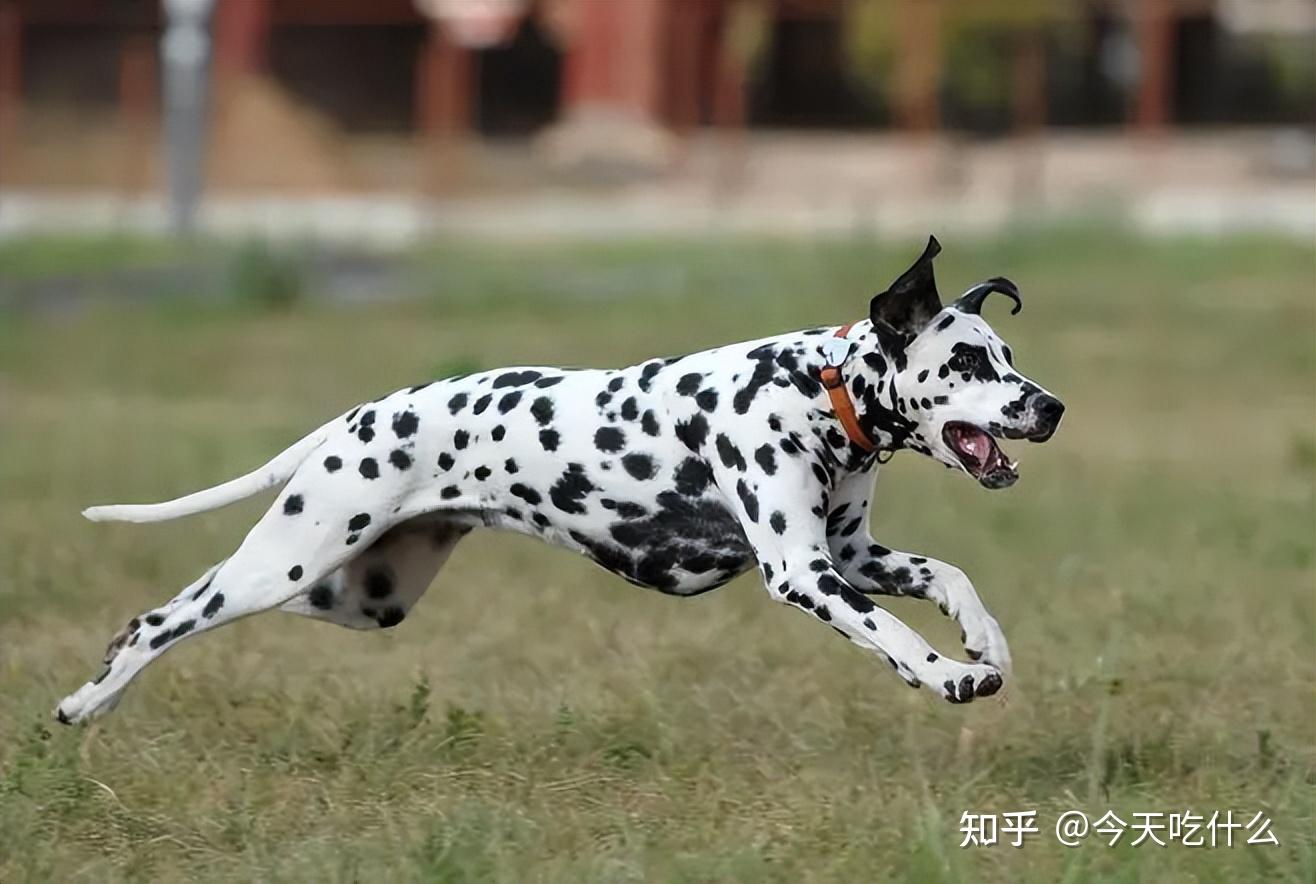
x=222, y=222
x=384, y=121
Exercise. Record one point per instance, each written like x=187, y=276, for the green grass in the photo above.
x=539, y=720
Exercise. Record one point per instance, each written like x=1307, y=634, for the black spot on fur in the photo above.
x=359, y=522
x=450, y=492
x=649, y=423
x=748, y=499
x=764, y=369
x=369, y=468
x=457, y=403
x=378, y=583
x=405, y=424
x=399, y=459
x=154, y=619
x=548, y=439
x=778, y=522
x=178, y=631
x=707, y=399
x=805, y=384
x=515, y=379
x=542, y=410
x=609, y=439
x=648, y=374
x=446, y=461
x=570, y=489
x=692, y=432
x=293, y=505
x=729, y=454
x=529, y=495
x=460, y=439
x=688, y=385
x=692, y=477
x=295, y=572
x=333, y=464
x=510, y=465
x=482, y=403
x=639, y=466
x=321, y=597
x=508, y=402
x=629, y=409
x=766, y=458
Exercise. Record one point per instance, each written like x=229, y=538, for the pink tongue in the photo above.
x=977, y=446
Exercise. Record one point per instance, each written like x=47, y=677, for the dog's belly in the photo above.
x=674, y=543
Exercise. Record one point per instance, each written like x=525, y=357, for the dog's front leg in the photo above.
x=872, y=568
x=790, y=542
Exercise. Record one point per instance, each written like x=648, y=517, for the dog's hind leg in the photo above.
x=378, y=588
x=310, y=532
x=157, y=615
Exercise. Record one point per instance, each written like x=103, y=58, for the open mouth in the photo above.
x=980, y=455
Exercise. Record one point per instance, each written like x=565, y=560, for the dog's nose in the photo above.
x=1048, y=408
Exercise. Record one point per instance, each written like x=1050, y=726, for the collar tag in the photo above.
x=836, y=351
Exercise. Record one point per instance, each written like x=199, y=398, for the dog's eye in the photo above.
x=965, y=360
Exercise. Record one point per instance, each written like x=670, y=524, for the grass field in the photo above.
x=539, y=720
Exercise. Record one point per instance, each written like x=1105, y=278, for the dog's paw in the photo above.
x=974, y=681
x=87, y=703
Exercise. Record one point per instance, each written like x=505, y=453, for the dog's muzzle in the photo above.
x=1044, y=413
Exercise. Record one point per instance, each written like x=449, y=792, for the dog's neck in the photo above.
x=870, y=376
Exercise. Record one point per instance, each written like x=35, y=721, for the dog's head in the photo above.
x=945, y=382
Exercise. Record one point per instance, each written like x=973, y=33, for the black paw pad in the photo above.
x=952, y=694
x=990, y=684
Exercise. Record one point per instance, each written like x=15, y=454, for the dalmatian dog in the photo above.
x=674, y=474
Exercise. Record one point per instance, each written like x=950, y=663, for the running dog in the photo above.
x=675, y=474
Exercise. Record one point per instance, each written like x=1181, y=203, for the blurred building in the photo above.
x=347, y=94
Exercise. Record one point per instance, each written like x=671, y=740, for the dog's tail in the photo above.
x=276, y=472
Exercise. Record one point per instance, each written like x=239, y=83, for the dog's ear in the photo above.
x=902, y=311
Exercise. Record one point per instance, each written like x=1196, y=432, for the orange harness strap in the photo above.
x=842, y=405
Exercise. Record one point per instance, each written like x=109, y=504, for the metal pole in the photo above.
x=185, y=49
